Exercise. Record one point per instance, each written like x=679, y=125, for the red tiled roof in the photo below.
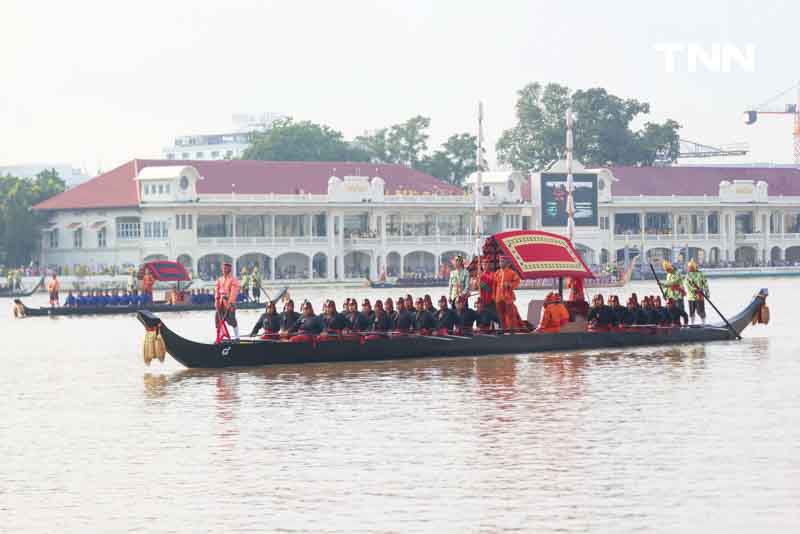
x=696, y=181
x=117, y=188
x=113, y=189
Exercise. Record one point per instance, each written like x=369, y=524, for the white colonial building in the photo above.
x=330, y=221
x=295, y=220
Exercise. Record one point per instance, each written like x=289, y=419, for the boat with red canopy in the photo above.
x=533, y=254
x=170, y=272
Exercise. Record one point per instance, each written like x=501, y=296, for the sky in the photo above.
x=99, y=83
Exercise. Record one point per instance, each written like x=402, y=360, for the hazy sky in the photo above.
x=98, y=83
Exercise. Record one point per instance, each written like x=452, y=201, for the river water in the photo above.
x=672, y=439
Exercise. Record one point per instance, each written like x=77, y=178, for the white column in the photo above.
x=311, y=266
x=272, y=267
x=340, y=245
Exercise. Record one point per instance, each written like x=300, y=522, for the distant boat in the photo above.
x=14, y=293
x=594, y=283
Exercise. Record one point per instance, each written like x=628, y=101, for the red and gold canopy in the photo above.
x=165, y=271
x=536, y=254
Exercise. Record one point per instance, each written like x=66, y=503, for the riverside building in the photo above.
x=332, y=221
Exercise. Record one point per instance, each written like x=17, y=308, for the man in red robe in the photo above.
x=506, y=280
x=486, y=285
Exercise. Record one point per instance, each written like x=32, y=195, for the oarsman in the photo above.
x=424, y=323
x=356, y=322
x=381, y=321
x=428, y=302
x=225, y=292
x=661, y=311
x=506, y=280
x=404, y=321
x=458, y=284
x=52, y=288
x=617, y=308
x=634, y=315
x=486, y=319
x=696, y=292
x=70, y=301
x=445, y=317
x=269, y=322
x=675, y=315
x=600, y=316
x=673, y=286
x=388, y=307
x=333, y=322
x=465, y=318
x=307, y=326
x=366, y=311
x=289, y=318
x=256, y=281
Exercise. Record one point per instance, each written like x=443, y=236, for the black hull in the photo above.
x=123, y=310
x=15, y=294
x=256, y=353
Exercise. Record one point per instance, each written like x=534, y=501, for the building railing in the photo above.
x=322, y=240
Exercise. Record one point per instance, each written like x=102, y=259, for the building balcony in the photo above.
x=261, y=241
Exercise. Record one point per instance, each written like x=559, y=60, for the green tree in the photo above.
x=602, y=134
x=404, y=143
x=454, y=161
x=287, y=140
x=20, y=226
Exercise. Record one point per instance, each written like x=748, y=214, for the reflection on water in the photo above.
x=695, y=438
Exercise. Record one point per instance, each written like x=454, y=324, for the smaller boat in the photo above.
x=162, y=271
x=11, y=293
x=158, y=307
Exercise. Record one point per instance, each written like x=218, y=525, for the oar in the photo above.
x=657, y=281
x=731, y=328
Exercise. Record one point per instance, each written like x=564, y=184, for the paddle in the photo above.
x=657, y=281
x=733, y=330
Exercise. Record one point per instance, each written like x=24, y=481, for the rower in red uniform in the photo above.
x=225, y=292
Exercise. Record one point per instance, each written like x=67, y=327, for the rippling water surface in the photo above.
x=670, y=439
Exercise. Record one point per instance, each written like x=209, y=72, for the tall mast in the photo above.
x=570, y=202
x=479, y=180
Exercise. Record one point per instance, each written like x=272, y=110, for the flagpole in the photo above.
x=479, y=181
x=570, y=201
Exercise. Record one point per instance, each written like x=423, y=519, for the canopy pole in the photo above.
x=570, y=201
x=561, y=287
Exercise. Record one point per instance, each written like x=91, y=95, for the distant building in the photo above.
x=220, y=146
x=71, y=175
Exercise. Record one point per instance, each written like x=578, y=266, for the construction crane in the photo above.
x=769, y=108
